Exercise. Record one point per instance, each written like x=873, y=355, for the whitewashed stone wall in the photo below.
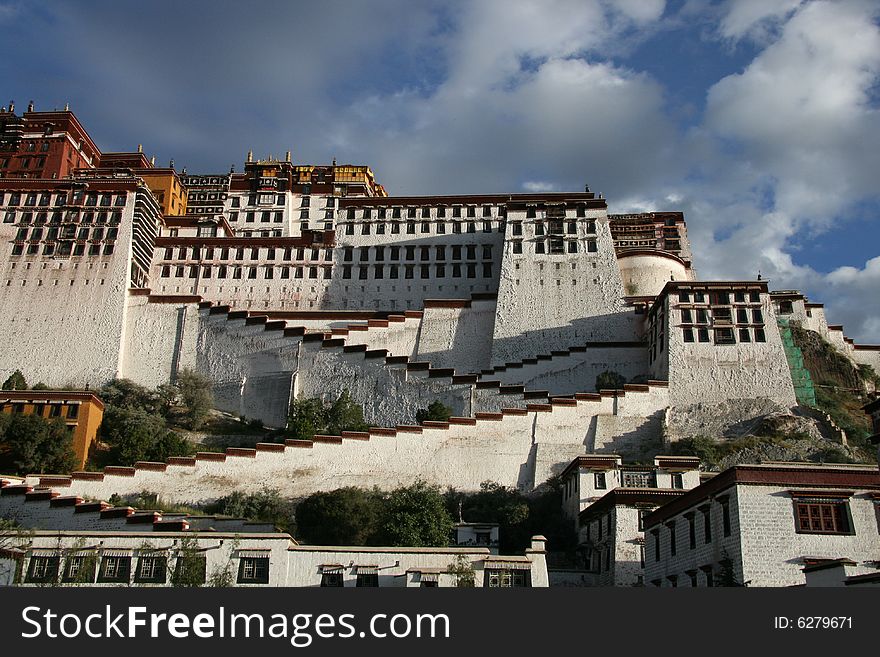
x=577, y=369
x=646, y=274
x=626, y=567
x=399, y=335
x=764, y=547
x=552, y=302
x=772, y=549
x=160, y=339
x=519, y=448
x=66, y=318
x=458, y=337
x=704, y=554
x=867, y=355
x=706, y=372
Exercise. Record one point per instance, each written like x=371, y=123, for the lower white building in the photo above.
x=760, y=525
x=157, y=558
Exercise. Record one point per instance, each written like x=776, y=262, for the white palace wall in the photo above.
x=161, y=338
x=457, y=334
x=65, y=317
x=519, y=448
x=551, y=302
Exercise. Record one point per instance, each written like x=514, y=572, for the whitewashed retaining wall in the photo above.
x=501, y=447
x=161, y=339
x=577, y=370
x=458, y=337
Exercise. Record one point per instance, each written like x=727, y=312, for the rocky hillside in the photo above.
x=772, y=433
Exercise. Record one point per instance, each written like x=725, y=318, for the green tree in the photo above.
x=266, y=505
x=345, y=516
x=190, y=566
x=133, y=433
x=415, y=516
x=36, y=445
x=125, y=393
x=308, y=417
x=463, y=570
x=498, y=504
x=609, y=380
x=345, y=415
x=195, y=397
x=437, y=411
x=167, y=445
x=40, y=386
x=15, y=381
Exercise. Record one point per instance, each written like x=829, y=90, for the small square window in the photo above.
x=253, y=570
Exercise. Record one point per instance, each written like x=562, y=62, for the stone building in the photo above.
x=760, y=525
x=81, y=411
x=608, y=501
x=156, y=558
x=291, y=280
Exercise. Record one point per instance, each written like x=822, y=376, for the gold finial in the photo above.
x=66, y=107
x=153, y=161
x=250, y=156
x=140, y=148
x=287, y=157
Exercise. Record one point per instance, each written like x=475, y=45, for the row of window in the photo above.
x=69, y=411
x=66, y=232
x=224, y=253
x=64, y=248
x=554, y=246
x=235, y=272
x=192, y=569
x=423, y=212
x=553, y=227
x=25, y=163
x=409, y=252
x=424, y=227
x=31, y=146
x=440, y=271
x=724, y=335
x=705, y=514
x=722, y=314
x=265, y=217
x=92, y=199
x=719, y=298
x=85, y=281
x=153, y=569
x=73, y=216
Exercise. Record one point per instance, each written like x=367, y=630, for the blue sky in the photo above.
x=757, y=118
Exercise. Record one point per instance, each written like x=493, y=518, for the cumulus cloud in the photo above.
x=498, y=96
x=754, y=18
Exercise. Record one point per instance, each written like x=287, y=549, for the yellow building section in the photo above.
x=167, y=188
x=81, y=411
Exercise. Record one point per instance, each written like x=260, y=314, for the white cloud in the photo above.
x=754, y=18
x=801, y=109
x=786, y=148
x=640, y=11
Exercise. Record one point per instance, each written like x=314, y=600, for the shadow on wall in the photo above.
x=396, y=295
x=458, y=337
x=610, y=327
x=636, y=439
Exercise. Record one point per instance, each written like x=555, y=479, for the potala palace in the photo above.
x=287, y=280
